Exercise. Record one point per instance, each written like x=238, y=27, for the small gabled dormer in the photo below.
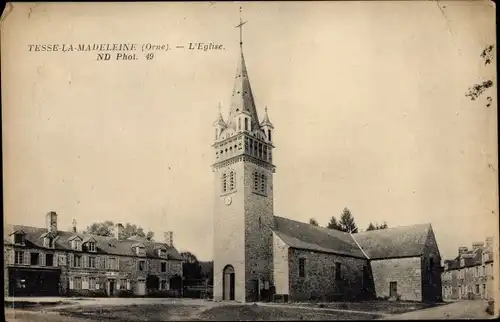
x=18, y=237
x=90, y=244
x=76, y=243
x=161, y=251
x=48, y=240
x=139, y=249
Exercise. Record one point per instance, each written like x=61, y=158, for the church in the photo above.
x=259, y=256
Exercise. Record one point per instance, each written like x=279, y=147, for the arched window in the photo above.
x=262, y=183
x=239, y=124
x=224, y=182
x=231, y=181
x=269, y=135
x=255, y=181
x=246, y=124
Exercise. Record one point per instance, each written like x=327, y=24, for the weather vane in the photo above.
x=241, y=28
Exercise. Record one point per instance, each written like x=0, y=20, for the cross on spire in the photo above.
x=241, y=29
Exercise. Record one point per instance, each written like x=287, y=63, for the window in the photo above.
x=239, y=124
x=302, y=267
x=338, y=271
x=255, y=181
x=47, y=242
x=142, y=266
x=77, y=261
x=163, y=253
x=163, y=267
x=123, y=284
x=19, y=257
x=431, y=263
x=91, y=262
x=224, y=183
x=92, y=283
x=231, y=181
x=34, y=259
x=76, y=245
x=112, y=263
x=262, y=183
x=49, y=259
x=260, y=223
x=91, y=246
x=477, y=289
x=269, y=135
x=19, y=239
x=77, y=283
x=246, y=124
x=163, y=285
x=141, y=250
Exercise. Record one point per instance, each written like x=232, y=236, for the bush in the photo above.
x=490, y=308
x=124, y=293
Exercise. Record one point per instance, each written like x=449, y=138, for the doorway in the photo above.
x=141, y=287
x=111, y=289
x=228, y=282
x=393, y=289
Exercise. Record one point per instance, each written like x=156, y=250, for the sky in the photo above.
x=367, y=100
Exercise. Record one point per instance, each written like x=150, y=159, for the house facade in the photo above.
x=259, y=256
x=50, y=262
x=470, y=274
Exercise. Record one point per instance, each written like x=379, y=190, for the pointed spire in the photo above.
x=242, y=100
x=266, y=120
x=220, y=119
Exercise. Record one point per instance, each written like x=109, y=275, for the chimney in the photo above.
x=462, y=250
x=169, y=238
x=118, y=231
x=51, y=222
x=73, y=227
x=477, y=245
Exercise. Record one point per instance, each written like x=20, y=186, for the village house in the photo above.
x=470, y=274
x=48, y=261
x=258, y=255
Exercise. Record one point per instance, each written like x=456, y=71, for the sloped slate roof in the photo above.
x=305, y=236
x=406, y=241
x=471, y=258
x=105, y=245
x=403, y=241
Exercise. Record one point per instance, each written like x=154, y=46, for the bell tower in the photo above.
x=243, y=195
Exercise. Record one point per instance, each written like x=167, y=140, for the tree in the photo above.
x=334, y=224
x=313, y=222
x=383, y=226
x=131, y=230
x=101, y=229
x=377, y=226
x=150, y=235
x=370, y=227
x=347, y=222
x=191, y=268
x=106, y=228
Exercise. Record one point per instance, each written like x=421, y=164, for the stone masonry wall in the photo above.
x=258, y=235
x=406, y=272
x=280, y=265
x=319, y=281
x=431, y=273
x=229, y=233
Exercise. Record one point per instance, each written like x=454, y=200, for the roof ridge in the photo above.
x=361, y=248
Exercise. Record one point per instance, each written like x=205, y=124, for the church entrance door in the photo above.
x=228, y=283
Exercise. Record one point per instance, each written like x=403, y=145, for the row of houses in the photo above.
x=50, y=262
x=470, y=274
